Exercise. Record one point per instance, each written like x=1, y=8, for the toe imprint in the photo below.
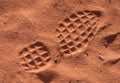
x=76, y=31
x=35, y=58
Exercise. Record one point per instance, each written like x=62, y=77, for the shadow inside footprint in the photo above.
x=47, y=76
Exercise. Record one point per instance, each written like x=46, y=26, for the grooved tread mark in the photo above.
x=76, y=31
x=35, y=57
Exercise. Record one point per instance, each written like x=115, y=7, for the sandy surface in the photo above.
x=29, y=26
